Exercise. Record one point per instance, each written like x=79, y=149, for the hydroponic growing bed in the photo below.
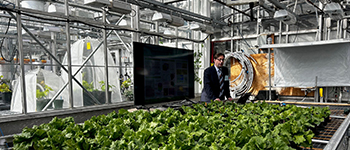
x=214, y=126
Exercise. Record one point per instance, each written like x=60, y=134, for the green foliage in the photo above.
x=90, y=86
x=197, y=64
x=200, y=127
x=103, y=86
x=4, y=87
x=41, y=94
x=126, y=90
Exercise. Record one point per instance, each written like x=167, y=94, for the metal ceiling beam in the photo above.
x=161, y=7
x=220, y=2
x=171, y=1
x=44, y=15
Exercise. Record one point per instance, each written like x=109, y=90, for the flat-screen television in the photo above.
x=162, y=74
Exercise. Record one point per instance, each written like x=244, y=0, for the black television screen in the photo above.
x=162, y=74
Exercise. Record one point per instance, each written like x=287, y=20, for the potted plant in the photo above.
x=126, y=90
x=5, y=90
x=42, y=99
x=98, y=94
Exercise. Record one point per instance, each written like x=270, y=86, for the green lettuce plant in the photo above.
x=41, y=94
x=4, y=87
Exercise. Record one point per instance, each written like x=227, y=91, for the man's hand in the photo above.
x=230, y=99
x=217, y=99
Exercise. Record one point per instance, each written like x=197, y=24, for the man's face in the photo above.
x=219, y=62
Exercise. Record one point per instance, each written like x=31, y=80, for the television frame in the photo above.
x=162, y=54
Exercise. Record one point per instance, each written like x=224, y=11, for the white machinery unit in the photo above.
x=115, y=6
x=97, y=3
x=120, y=7
x=172, y=20
x=239, y=2
x=334, y=11
x=202, y=27
x=285, y=16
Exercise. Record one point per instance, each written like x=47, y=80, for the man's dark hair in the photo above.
x=218, y=55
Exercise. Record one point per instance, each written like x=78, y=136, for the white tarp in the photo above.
x=33, y=81
x=79, y=52
x=298, y=64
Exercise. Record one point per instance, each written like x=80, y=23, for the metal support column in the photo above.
x=108, y=100
x=21, y=60
x=269, y=40
x=345, y=26
x=328, y=27
x=54, y=51
x=135, y=23
x=206, y=62
x=69, y=57
x=280, y=33
x=156, y=25
x=192, y=31
x=287, y=35
x=258, y=23
x=121, y=77
x=320, y=24
x=176, y=34
x=232, y=32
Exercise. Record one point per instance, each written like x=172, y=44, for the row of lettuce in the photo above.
x=214, y=126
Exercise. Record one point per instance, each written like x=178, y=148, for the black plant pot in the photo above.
x=6, y=97
x=41, y=103
x=99, y=95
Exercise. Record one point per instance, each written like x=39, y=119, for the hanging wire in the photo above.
x=246, y=76
x=2, y=43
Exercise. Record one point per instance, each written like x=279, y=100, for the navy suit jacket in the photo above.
x=211, y=88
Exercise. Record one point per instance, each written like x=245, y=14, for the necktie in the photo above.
x=221, y=82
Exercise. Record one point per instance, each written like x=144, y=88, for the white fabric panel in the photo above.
x=56, y=83
x=77, y=59
x=31, y=78
x=16, y=101
x=95, y=74
x=298, y=66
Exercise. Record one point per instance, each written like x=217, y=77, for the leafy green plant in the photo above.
x=125, y=88
x=103, y=85
x=90, y=86
x=214, y=126
x=4, y=87
x=41, y=94
x=197, y=64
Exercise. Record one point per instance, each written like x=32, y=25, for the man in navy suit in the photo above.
x=216, y=81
